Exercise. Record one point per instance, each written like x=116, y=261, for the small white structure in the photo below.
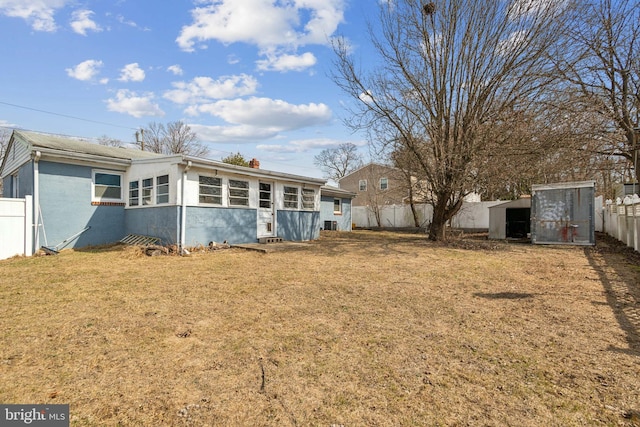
x=510, y=219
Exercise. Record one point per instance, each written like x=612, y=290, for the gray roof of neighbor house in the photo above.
x=82, y=146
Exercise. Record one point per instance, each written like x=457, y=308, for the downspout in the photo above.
x=183, y=210
x=36, y=201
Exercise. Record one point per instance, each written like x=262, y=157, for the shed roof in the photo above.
x=524, y=202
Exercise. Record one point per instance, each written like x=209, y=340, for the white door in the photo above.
x=266, y=211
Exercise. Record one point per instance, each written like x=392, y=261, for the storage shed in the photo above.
x=510, y=220
x=563, y=213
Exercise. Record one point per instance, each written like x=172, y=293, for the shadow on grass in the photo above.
x=620, y=284
x=503, y=295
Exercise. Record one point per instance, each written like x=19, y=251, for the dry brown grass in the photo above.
x=360, y=329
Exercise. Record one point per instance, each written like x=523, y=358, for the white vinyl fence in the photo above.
x=15, y=227
x=472, y=215
x=622, y=220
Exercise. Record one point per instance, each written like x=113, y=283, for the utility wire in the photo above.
x=67, y=116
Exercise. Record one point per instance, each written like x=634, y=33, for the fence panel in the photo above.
x=15, y=227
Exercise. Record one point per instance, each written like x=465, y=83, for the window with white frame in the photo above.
x=162, y=189
x=290, y=197
x=238, y=192
x=210, y=191
x=134, y=193
x=362, y=185
x=147, y=191
x=337, y=206
x=384, y=183
x=308, y=199
x=107, y=186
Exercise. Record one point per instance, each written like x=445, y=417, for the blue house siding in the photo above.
x=160, y=221
x=298, y=225
x=326, y=213
x=65, y=202
x=211, y=224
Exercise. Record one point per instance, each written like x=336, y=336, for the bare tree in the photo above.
x=605, y=70
x=5, y=136
x=446, y=72
x=110, y=142
x=174, y=138
x=338, y=162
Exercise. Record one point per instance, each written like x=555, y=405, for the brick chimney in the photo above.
x=254, y=163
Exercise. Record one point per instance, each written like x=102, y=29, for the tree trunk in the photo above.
x=443, y=211
x=413, y=205
x=438, y=227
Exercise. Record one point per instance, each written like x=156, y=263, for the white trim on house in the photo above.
x=102, y=198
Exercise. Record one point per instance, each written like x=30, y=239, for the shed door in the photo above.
x=266, y=211
x=518, y=223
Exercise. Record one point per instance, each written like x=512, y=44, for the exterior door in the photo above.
x=266, y=211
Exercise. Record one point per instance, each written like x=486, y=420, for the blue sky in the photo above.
x=248, y=76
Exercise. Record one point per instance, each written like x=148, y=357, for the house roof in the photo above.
x=77, y=145
x=330, y=191
x=368, y=166
x=78, y=148
x=256, y=172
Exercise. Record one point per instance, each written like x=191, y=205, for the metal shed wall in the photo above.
x=563, y=213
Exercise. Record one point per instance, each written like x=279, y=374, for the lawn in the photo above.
x=355, y=329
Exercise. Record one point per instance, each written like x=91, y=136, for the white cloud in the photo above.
x=81, y=22
x=121, y=19
x=131, y=73
x=38, y=13
x=233, y=134
x=129, y=102
x=367, y=97
x=204, y=89
x=287, y=62
x=513, y=44
x=176, y=70
x=85, y=70
x=263, y=23
x=301, y=146
x=267, y=113
x=524, y=9
x=6, y=124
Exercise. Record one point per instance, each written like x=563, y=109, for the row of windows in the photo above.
x=141, y=192
x=148, y=191
x=383, y=184
x=210, y=192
